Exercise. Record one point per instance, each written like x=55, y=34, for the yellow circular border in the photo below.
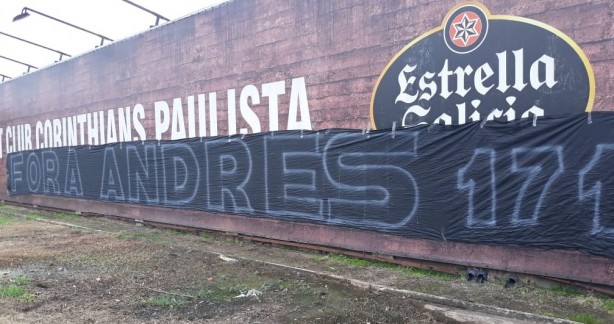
x=560, y=34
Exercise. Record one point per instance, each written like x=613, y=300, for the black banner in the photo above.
x=546, y=185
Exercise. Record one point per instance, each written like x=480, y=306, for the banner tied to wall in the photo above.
x=546, y=184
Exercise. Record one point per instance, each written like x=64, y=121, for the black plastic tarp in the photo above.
x=547, y=183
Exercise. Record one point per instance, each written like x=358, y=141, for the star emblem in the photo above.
x=465, y=29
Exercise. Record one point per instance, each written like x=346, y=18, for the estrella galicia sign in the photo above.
x=477, y=66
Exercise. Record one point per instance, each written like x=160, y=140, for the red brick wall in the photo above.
x=339, y=47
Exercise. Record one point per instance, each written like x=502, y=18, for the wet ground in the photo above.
x=64, y=268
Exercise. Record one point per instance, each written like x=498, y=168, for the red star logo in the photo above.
x=465, y=29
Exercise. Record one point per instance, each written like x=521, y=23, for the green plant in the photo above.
x=417, y=272
x=608, y=304
x=28, y=298
x=4, y=220
x=166, y=300
x=214, y=294
x=564, y=290
x=147, y=236
x=64, y=216
x=586, y=318
x=234, y=241
x=21, y=281
x=12, y=291
x=177, y=232
x=32, y=217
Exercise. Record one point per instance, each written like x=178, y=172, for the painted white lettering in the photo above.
x=101, y=127
x=519, y=83
x=502, y=86
x=111, y=129
x=1, y=131
x=202, y=116
x=273, y=90
x=404, y=83
x=212, y=114
x=48, y=131
x=124, y=124
x=444, y=74
x=92, y=129
x=57, y=133
x=191, y=117
x=549, y=81
x=27, y=130
x=482, y=74
x=460, y=80
x=71, y=131
x=81, y=119
x=138, y=114
x=250, y=117
x=9, y=135
x=161, y=121
x=299, y=102
x=430, y=86
x=39, y=131
x=232, y=112
x=178, y=124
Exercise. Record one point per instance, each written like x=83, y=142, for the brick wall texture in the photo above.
x=340, y=47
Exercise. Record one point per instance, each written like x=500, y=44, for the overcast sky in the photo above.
x=115, y=19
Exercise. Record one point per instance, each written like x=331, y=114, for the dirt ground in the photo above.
x=99, y=270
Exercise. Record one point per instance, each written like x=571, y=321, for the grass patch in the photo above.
x=586, y=318
x=205, y=237
x=21, y=281
x=5, y=220
x=166, y=301
x=32, y=217
x=567, y=291
x=416, y=272
x=233, y=241
x=214, y=294
x=64, y=216
x=232, y=287
x=53, y=216
x=12, y=291
x=16, y=292
x=146, y=236
x=608, y=304
x=222, y=293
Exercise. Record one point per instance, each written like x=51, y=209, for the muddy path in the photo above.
x=63, y=268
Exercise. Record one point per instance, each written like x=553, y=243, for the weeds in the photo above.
x=14, y=291
x=586, y=318
x=21, y=281
x=167, y=301
x=54, y=216
x=5, y=220
x=146, y=236
x=234, y=241
x=416, y=272
x=222, y=293
x=567, y=291
x=608, y=304
x=32, y=217
x=64, y=216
